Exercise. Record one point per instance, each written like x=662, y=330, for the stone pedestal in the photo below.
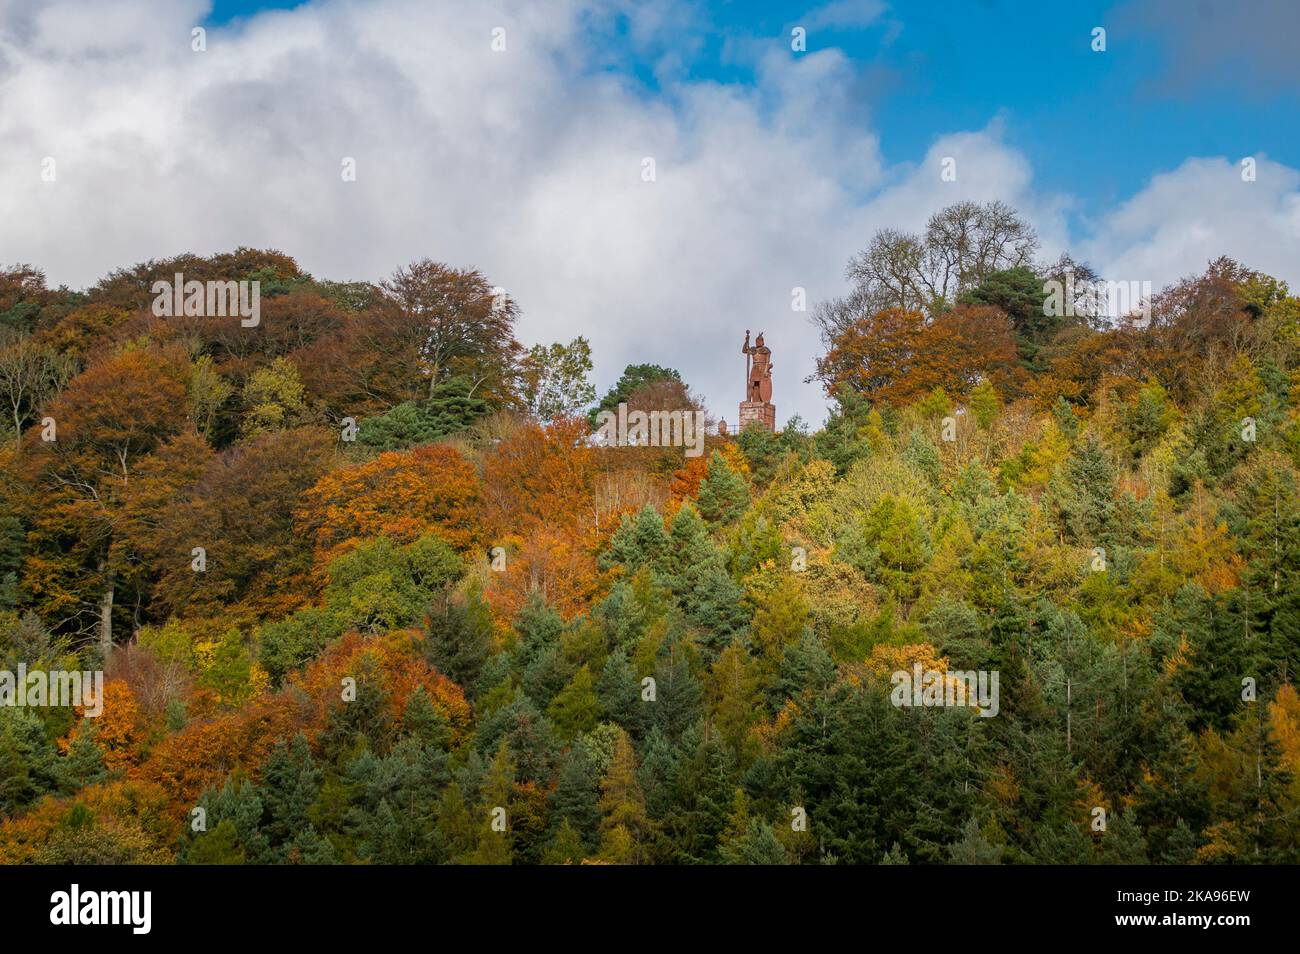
x=761, y=411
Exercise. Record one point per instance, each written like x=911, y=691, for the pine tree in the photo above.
x=575, y=709
x=843, y=440
x=658, y=772
x=723, y=495
x=637, y=541
x=547, y=675
x=688, y=545
x=702, y=796
x=714, y=605
x=678, y=693
x=973, y=848
x=495, y=846
x=624, y=823
x=759, y=846
x=757, y=540
x=805, y=666
x=84, y=763
x=218, y=847
x=618, y=847
x=458, y=637
x=1123, y=843
x=310, y=848
x=621, y=615
x=895, y=856
x=403, y=425
x=17, y=787
x=737, y=822
x=455, y=826
x=779, y=623
x=696, y=575
x=575, y=801
x=527, y=732
x=762, y=449
x=28, y=766
x=619, y=694
x=362, y=722
x=735, y=699
x=565, y=847
x=233, y=835
x=452, y=405
x=1085, y=496
x=538, y=627
x=424, y=723
x=922, y=453
x=1271, y=501
x=290, y=786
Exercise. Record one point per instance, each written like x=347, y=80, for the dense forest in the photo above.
x=364, y=589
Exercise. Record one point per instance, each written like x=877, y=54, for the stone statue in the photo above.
x=758, y=366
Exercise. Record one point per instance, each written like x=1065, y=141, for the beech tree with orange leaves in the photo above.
x=901, y=356
x=104, y=425
x=541, y=506
x=241, y=511
x=401, y=495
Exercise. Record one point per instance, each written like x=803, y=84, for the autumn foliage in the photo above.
x=353, y=596
x=899, y=356
x=401, y=495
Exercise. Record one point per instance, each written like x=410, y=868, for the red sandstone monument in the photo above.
x=757, y=405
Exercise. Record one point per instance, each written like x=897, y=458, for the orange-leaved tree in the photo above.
x=79, y=473
x=401, y=495
x=540, y=484
x=900, y=356
x=241, y=511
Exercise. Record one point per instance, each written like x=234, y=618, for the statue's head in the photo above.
x=759, y=340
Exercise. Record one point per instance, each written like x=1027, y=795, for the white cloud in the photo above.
x=985, y=168
x=1199, y=211
x=845, y=14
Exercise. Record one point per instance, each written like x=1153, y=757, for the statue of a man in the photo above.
x=758, y=363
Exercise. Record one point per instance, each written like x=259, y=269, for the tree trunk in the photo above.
x=106, y=616
x=1069, y=716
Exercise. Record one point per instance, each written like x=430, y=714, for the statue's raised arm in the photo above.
x=757, y=406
